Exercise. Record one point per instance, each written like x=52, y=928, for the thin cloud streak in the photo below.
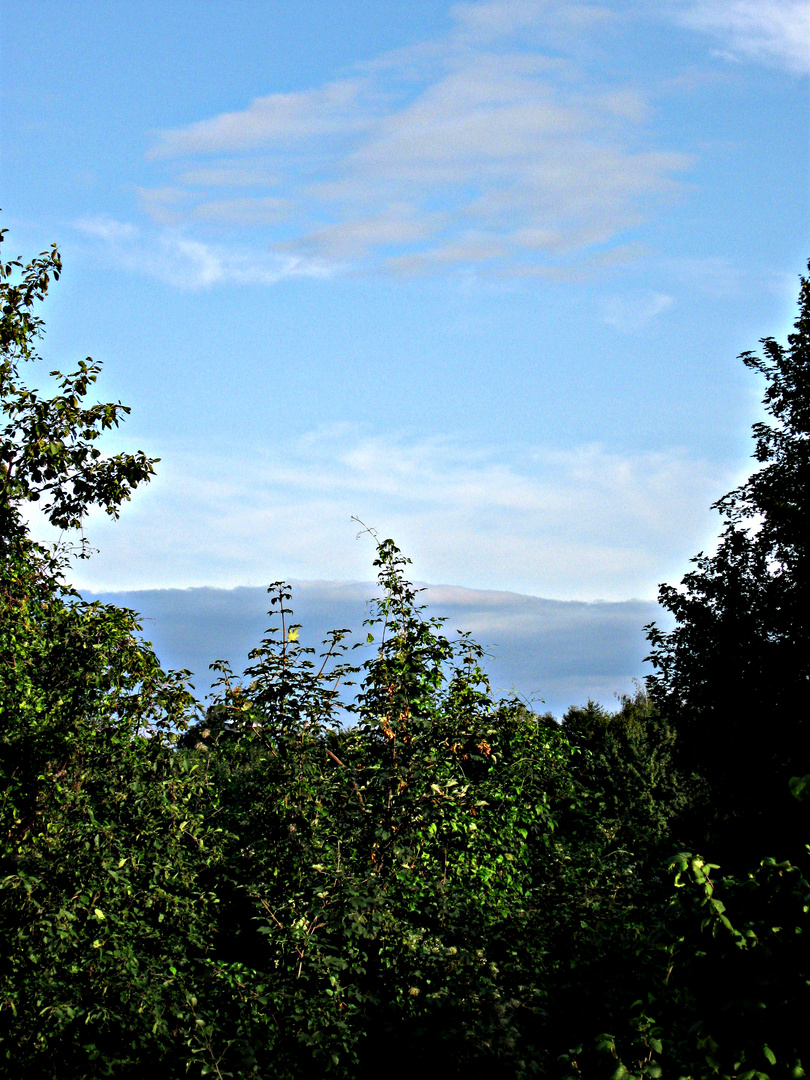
x=632, y=314
x=330, y=110
x=187, y=264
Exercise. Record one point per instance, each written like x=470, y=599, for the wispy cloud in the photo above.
x=490, y=20
x=631, y=314
x=228, y=174
x=494, y=146
x=333, y=109
x=773, y=32
x=581, y=523
x=172, y=206
x=185, y=263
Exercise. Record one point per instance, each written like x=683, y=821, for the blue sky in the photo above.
x=477, y=273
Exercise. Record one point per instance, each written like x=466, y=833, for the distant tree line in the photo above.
x=448, y=885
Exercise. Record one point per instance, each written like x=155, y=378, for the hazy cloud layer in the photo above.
x=555, y=652
x=496, y=146
x=580, y=523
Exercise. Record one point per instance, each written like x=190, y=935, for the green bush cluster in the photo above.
x=353, y=869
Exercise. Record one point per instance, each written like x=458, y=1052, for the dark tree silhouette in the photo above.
x=733, y=675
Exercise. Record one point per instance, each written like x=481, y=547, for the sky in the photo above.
x=475, y=273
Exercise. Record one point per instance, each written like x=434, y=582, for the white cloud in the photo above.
x=494, y=146
x=773, y=32
x=581, y=523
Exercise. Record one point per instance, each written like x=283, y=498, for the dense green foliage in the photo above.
x=350, y=869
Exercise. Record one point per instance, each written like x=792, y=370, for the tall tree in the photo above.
x=734, y=674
